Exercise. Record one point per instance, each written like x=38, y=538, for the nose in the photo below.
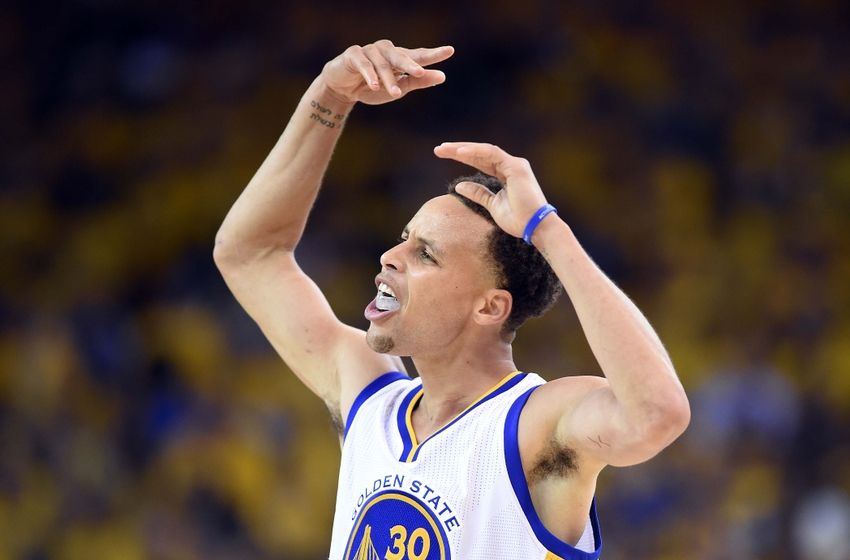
x=392, y=257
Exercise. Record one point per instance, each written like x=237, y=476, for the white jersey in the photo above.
x=460, y=494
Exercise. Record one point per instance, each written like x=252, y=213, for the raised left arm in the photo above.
x=640, y=407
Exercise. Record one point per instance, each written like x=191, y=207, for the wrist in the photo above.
x=331, y=98
x=534, y=221
x=324, y=106
x=550, y=229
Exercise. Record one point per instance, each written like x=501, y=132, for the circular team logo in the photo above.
x=396, y=526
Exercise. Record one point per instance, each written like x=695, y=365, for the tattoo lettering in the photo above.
x=318, y=107
x=323, y=122
x=323, y=112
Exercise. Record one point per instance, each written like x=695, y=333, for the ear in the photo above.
x=494, y=307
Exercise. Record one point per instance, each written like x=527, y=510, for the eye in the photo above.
x=402, y=238
x=424, y=255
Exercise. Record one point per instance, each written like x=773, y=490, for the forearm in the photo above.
x=272, y=211
x=626, y=347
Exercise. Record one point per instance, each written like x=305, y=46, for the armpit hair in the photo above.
x=556, y=460
x=336, y=419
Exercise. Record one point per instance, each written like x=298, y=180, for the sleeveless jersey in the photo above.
x=460, y=494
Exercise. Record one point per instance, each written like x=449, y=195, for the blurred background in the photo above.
x=702, y=154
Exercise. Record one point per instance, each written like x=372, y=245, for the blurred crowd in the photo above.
x=700, y=151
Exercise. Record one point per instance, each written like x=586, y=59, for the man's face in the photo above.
x=431, y=281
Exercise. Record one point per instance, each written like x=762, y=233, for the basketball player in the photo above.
x=473, y=459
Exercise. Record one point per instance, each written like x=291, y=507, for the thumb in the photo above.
x=476, y=192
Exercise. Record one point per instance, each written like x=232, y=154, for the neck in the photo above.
x=452, y=381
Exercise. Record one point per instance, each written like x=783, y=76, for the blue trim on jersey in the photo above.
x=373, y=387
x=508, y=385
x=520, y=486
x=401, y=419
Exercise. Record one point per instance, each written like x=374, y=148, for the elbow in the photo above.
x=224, y=254
x=666, y=419
x=658, y=424
x=239, y=244
x=678, y=416
x=232, y=255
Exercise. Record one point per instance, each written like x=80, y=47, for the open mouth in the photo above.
x=386, y=300
x=384, y=304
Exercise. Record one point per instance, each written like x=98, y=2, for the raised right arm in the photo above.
x=254, y=248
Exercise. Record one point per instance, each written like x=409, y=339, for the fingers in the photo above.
x=399, y=60
x=428, y=78
x=357, y=61
x=383, y=68
x=475, y=192
x=485, y=157
x=427, y=57
x=389, y=62
x=382, y=64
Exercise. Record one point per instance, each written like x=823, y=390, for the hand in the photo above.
x=514, y=205
x=381, y=72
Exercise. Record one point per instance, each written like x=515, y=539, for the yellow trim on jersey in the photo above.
x=415, y=400
x=552, y=556
x=401, y=497
x=408, y=420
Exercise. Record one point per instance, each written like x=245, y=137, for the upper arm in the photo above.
x=589, y=419
x=332, y=359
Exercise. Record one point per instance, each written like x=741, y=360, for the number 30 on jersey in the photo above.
x=397, y=526
x=416, y=547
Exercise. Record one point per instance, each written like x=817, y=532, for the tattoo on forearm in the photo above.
x=322, y=112
x=599, y=441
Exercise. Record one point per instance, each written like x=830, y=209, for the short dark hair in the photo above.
x=519, y=268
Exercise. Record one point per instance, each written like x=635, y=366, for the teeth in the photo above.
x=387, y=303
x=386, y=300
x=386, y=289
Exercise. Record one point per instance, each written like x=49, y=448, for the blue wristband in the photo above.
x=535, y=220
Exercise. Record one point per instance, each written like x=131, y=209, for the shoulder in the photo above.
x=383, y=391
